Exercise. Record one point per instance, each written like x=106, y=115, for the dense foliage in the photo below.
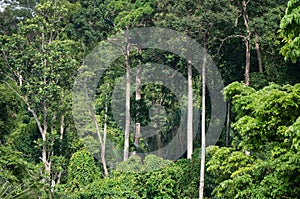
x=256, y=47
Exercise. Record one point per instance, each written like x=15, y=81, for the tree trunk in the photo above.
x=247, y=67
x=62, y=128
x=137, y=98
x=190, y=113
x=43, y=132
x=203, y=140
x=260, y=66
x=105, y=135
x=127, y=114
x=228, y=123
x=159, y=145
x=247, y=42
x=102, y=148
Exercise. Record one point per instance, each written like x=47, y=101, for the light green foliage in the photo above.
x=267, y=128
x=41, y=53
x=130, y=14
x=157, y=178
x=159, y=184
x=136, y=179
x=268, y=178
x=290, y=31
x=38, y=64
x=263, y=116
x=82, y=172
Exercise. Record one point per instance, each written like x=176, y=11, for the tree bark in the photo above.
x=260, y=66
x=62, y=129
x=127, y=114
x=247, y=66
x=203, y=139
x=102, y=148
x=228, y=123
x=105, y=135
x=137, y=98
x=190, y=113
x=159, y=145
x=247, y=42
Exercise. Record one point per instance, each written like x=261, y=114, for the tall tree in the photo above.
x=39, y=63
x=127, y=15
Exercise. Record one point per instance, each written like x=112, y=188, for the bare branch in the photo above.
x=229, y=37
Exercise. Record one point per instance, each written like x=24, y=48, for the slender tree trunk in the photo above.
x=203, y=140
x=247, y=67
x=62, y=131
x=137, y=98
x=43, y=132
x=102, y=148
x=159, y=145
x=260, y=66
x=228, y=123
x=247, y=42
x=105, y=134
x=190, y=113
x=44, y=137
x=127, y=114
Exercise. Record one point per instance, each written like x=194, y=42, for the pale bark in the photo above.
x=228, y=123
x=137, y=98
x=190, y=113
x=260, y=66
x=102, y=148
x=62, y=129
x=127, y=103
x=159, y=144
x=43, y=131
x=203, y=139
x=247, y=42
x=105, y=124
x=247, y=66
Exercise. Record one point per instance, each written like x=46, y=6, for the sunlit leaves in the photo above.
x=267, y=125
x=290, y=31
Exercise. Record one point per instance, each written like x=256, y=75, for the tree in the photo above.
x=39, y=63
x=82, y=171
x=262, y=160
x=290, y=31
x=248, y=24
x=128, y=15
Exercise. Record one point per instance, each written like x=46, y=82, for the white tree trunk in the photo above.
x=137, y=98
x=247, y=42
x=203, y=146
x=102, y=147
x=190, y=113
x=260, y=66
x=127, y=114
